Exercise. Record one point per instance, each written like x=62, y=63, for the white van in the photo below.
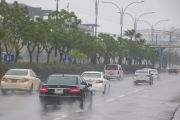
x=113, y=71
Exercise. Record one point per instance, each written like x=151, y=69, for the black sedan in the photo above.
x=63, y=88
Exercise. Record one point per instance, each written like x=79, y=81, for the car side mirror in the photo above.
x=83, y=83
x=89, y=85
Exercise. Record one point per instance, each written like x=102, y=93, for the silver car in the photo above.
x=143, y=76
x=96, y=78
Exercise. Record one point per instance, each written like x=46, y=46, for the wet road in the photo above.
x=124, y=102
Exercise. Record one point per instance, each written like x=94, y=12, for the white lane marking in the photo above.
x=121, y=96
x=57, y=119
x=64, y=116
x=111, y=100
x=61, y=117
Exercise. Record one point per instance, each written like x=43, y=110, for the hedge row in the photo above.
x=43, y=70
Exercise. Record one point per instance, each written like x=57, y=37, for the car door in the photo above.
x=85, y=87
x=35, y=80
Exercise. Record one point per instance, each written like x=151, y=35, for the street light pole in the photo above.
x=96, y=15
x=122, y=12
x=138, y=19
x=153, y=26
x=57, y=7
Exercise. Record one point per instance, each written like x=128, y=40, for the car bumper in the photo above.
x=51, y=100
x=15, y=86
x=112, y=77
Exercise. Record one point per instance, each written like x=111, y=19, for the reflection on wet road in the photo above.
x=124, y=102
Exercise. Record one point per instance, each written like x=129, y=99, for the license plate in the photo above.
x=58, y=91
x=13, y=81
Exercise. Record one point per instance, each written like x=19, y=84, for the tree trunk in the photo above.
x=16, y=55
x=120, y=60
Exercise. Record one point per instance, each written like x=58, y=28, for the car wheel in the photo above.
x=135, y=83
x=104, y=91
x=150, y=82
x=4, y=92
x=82, y=102
x=43, y=105
x=91, y=100
x=122, y=77
x=30, y=90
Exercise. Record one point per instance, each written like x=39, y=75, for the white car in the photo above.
x=99, y=83
x=155, y=74
x=20, y=80
x=113, y=71
x=143, y=76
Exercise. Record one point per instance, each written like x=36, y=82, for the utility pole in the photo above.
x=57, y=7
x=96, y=16
x=169, y=50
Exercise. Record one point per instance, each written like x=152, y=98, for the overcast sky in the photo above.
x=108, y=18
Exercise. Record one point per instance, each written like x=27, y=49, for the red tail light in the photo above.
x=148, y=75
x=74, y=90
x=99, y=81
x=4, y=80
x=44, y=90
x=135, y=76
x=25, y=80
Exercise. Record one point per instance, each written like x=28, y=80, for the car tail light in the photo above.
x=25, y=80
x=99, y=81
x=148, y=75
x=4, y=80
x=44, y=90
x=135, y=76
x=74, y=90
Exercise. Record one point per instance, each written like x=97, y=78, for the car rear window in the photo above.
x=60, y=80
x=111, y=67
x=17, y=72
x=95, y=75
x=142, y=71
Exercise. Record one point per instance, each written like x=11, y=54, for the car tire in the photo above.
x=91, y=101
x=135, y=83
x=104, y=91
x=4, y=92
x=151, y=82
x=43, y=105
x=82, y=103
x=31, y=90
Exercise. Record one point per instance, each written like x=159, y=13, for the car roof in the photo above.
x=92, y=72
x=112, y=64
x=19, y=69
x=142, y=70
x=65, y=75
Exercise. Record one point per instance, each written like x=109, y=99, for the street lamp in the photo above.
x=122, y=12
x=138, y=19
x=153, y=26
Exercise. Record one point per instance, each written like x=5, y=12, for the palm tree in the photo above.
x=130, y=34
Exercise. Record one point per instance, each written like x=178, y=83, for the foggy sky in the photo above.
x=108, y=17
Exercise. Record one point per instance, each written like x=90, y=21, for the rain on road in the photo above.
x=124, y=102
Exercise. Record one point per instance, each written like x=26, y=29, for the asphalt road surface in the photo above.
x=124, y=101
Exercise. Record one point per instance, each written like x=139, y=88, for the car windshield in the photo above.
x=142, y=71
x=154, y=71
x=17, y=72
x=94, y=75
x=60, y=80
x=111, y=67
